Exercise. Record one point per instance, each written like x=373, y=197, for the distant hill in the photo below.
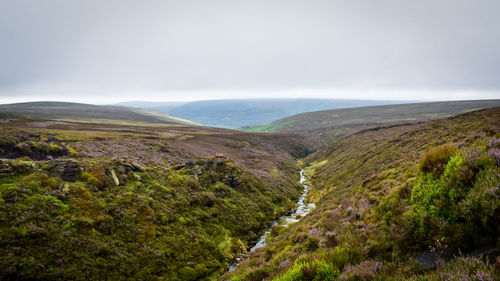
x=87, y=113
x=244, y=112
x=152, y=104
x=332, y=124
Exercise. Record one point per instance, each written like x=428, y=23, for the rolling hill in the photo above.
x=78, y=112
x=337, y=123
x=244, y=112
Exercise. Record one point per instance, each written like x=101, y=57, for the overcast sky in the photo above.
x=115, y=50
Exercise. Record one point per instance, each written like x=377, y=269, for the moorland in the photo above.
x=403, y=192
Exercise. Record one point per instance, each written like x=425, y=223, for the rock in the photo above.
x=5, y=169
x=67, y=169
x=22, y=166
x=427, y=259
x=114, y=177
x=137, y=168
x=231, y=181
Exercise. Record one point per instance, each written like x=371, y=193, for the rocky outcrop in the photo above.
x=66, y=169
x=231, y=181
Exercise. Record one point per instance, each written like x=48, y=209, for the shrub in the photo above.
x=435, y=160
x=459, y=204
x=314, y=271
x=311, y=243
x=340, y=256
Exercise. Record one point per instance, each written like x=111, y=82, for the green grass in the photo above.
x=267, y=128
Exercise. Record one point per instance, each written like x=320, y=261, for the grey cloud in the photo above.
x=112, y=46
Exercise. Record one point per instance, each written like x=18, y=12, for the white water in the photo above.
x=302, y=210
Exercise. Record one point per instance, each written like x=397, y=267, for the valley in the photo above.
x=249, y=140
x=119, y=193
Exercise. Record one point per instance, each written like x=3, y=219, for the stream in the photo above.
x=302, y=210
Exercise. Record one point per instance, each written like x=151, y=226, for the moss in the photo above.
x=54, y=147
x=40, y=146
x=72, y=152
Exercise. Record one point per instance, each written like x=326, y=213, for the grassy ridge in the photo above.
x=337, y=123
x=393, y=201
x=66, y=111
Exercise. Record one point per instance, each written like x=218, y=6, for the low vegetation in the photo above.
x=184, y=223
x=83, y=201
x=99, y=201
x=414, y=202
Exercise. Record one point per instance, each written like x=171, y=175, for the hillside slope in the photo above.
x=243, y=112
x=337, y=123
x=79, y=112
x=396, y=204
x=82, y=201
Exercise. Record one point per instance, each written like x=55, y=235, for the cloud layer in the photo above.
x=121, y=49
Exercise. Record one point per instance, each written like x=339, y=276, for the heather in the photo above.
x=412, y=202
x=143, y=203
x=99, y=201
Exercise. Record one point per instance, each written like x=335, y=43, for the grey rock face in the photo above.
x=67, y=169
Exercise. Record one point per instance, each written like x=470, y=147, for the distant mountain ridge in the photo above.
x=235, y=113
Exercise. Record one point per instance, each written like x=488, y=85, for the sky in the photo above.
x=106, y=51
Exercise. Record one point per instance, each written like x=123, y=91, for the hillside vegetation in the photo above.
x=412, y=202
x=337, y=123
x=148, y=200
x=83, y=201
